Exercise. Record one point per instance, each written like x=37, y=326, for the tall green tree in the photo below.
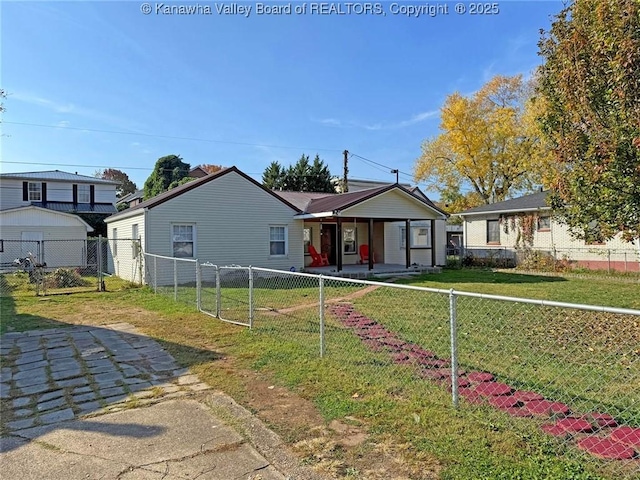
x=303, y=176
x=126, y=185
x=487, y=143
x=169, y=172
x=589, y=85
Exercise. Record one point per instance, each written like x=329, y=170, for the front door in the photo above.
x=328, y=242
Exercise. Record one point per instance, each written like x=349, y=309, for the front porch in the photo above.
x=379, y=270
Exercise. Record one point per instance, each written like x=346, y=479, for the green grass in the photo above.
x=352, y=380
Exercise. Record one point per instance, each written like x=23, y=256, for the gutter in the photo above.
x=124, y=214
x=490, y=212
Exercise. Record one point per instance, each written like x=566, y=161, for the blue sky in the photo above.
x=99, y=84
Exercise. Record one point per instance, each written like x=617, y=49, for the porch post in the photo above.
x=407, y=241
x=339, y=243
x=433, y=243
x=370, y=231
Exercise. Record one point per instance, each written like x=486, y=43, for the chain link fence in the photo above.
x=574, y=259
x=70, y=265
x=571, y=371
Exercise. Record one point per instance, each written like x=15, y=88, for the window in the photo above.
x=35, y=192
x=306, y=238
x=183, y=244
x=349, y=240
x=84, y=194
x=544, y=223
x=493, y=231
x=135, y=243
x=114, y=238
x=277, y=241
x=420, y=237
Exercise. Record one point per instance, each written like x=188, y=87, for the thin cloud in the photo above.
x=417, y=118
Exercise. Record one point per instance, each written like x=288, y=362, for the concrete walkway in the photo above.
x=110, y=403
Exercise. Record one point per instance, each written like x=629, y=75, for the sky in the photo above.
x=100, y=84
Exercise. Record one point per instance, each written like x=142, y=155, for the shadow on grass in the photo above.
x=483, y=275
x=54, y=372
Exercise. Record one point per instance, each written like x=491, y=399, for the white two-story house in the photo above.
x=40, y=213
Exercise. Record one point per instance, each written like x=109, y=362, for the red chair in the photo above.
x=317, y=259
x=364, y=255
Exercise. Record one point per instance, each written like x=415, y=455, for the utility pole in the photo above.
x=345, y=182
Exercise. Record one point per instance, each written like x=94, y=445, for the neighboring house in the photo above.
x=355, y=184
x=38, y=215
x=495, y=230
x=130, y=200
x=229, y=218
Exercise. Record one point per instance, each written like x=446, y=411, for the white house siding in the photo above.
x=615, y=254
x=362, y=238
x=392, y=204
x=394, y=253
x=124, y=263
x=232, y=217
x=11, y=192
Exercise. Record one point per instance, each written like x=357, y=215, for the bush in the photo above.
x=64, y=277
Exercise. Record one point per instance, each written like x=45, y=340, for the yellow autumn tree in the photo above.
x=489, y=143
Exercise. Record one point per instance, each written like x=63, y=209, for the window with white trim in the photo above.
x=35, y=192
x=84, y=193
x=544, y=223
x=114, y=238
x=350, y=240
x=306, y=238
x=278, y=241
x=183, y=240
x=135, y=242
x=420, y=237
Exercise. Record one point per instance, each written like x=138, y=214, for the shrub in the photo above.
x=64, y=277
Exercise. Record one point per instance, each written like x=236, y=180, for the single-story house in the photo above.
x=229, y=218
x=496, y=230
x=56, y=238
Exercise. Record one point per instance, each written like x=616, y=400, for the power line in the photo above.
x=170, y=137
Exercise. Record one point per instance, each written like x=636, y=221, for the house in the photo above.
x=229, y=218
x=38, y=211
x=499, y=230
x=130, y=200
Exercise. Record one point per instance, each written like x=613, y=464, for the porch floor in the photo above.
x=379, y=270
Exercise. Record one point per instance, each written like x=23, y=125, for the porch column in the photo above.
x=370, y=232
x=407, y=241
x=339, y=243
x=433, y=243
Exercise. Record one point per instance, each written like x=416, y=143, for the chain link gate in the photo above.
x=226, y=293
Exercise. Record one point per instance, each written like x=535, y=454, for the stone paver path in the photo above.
x=49, y=376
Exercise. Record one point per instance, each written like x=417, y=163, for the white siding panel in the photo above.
x=123, y=264
x=394, y=253
x=392, y=204
x=11, y=194
x=232, y=218
x=39, y=218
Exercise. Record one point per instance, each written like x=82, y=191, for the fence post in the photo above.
x=198, y=285
x=99, y=264
x=453, y=322
x=218, y=292
x=141, y=258
x=321, y=284
x=175, y=279
x=608, y=260
x=250, y=297
x=155, y=274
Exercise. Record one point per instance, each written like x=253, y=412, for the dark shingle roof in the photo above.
x=533, y=201
x=301, y=199
x=69, y=207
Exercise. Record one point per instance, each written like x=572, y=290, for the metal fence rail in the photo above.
x=572, y=369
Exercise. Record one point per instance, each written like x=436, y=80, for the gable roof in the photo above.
x=301, y=199
x=57, y=175
x=326, y=203
x=129, y=197
x=50, y=212
x=534, y=201
x=175, y=192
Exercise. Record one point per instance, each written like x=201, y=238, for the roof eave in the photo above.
x=489, y=212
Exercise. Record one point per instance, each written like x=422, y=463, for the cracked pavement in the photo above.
x=110, y=403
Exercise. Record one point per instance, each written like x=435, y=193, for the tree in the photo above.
x=301, y=177
x=168, y=173
x=3, y=95
x=209, y=168
x=590, y=86
x=488, y=142
x=126, y=185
